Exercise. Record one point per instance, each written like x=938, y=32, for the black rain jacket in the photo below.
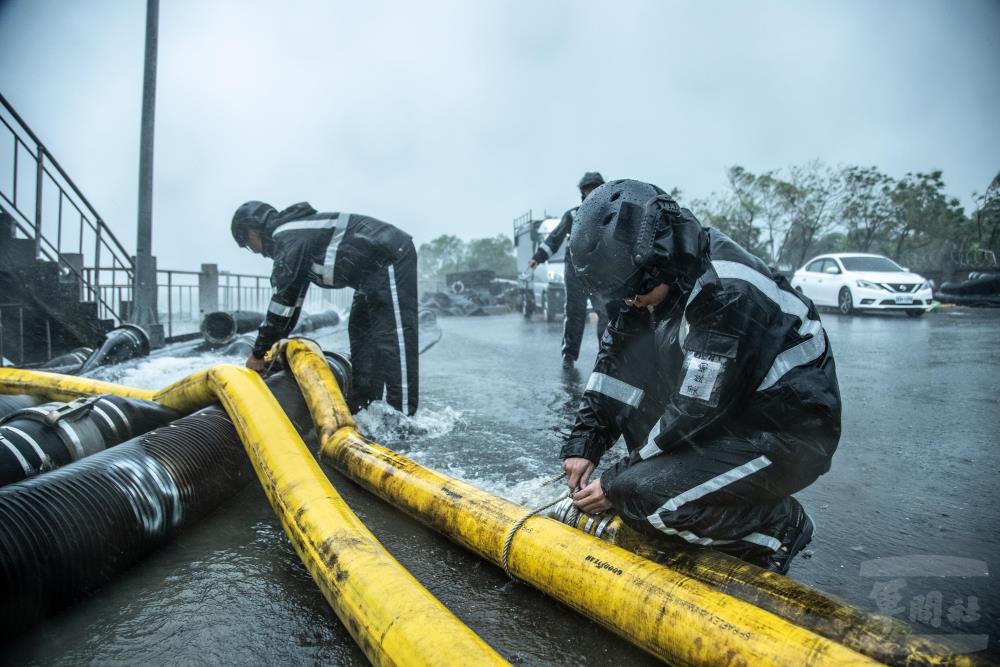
x=327, y=249
x=733, y=350
x=554, y=240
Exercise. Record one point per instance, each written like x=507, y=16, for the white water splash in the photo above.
x=158, y=372
x=384, y=424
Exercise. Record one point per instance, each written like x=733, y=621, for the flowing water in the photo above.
x=915, y=476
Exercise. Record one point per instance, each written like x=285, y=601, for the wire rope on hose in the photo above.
x=509, y=539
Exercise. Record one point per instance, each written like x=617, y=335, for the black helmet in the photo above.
x=251, y=215
x=613, y=239
x=591, y=179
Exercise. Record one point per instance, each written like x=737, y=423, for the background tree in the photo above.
x=495, y=254
x=866, y=206
x=985, y=247
x=810, y=198
x=736, y=213
x=438, y=257
x=925, y=218
x=448, y=254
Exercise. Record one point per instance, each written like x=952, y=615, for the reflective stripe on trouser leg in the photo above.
x=723, y=493
x=399, y=339
x=700, y=491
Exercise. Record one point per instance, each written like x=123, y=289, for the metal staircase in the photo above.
x=61, y=266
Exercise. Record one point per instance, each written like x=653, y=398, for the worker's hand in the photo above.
x=591, y=498
x=255, y=363
x=532, y=264
x=577, y=471
x=651, y=298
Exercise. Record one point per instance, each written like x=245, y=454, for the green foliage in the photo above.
x=446, y=254
x=442, y=255
x=787, y=216
x=495, y=254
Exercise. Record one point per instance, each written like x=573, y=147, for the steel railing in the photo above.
x=47, y=207
x=178, y=297
x=46, y=204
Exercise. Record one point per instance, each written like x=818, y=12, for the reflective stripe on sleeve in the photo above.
x=330, y=259
x=803, y=353
x=614, y=388
x=325, y=223
x=280, y=309
x=650, y=449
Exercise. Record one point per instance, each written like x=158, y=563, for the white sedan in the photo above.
x=852, y=281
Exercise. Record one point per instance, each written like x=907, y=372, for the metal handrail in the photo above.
x=62, y=173
x=46, y=166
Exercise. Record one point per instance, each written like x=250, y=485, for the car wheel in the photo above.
x=527, y=305
x=845, y=304
x=916, y=312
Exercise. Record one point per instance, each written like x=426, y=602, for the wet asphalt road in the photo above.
x=915, y=477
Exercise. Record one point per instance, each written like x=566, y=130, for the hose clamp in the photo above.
x=73, y=409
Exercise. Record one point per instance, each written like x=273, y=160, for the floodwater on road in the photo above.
x=907, y=519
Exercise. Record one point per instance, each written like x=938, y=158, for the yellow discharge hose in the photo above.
x=391, y=616
x=676, y=618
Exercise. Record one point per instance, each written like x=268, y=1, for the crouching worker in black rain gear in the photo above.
x=335, y=250
x=717, y=373
x=576, y=295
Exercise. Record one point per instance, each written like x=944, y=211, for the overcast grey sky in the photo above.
x=453, y=117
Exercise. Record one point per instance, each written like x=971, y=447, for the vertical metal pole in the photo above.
x=17, y=148
x=39, y=174
x=20, y=332
x=143, y=297
x=59, y=228
x=170, y=304
x=48, y=337
x=95, y=286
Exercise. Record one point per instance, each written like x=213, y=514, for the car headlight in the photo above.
x=924, y=285
x=555, y=277
x=869, y=285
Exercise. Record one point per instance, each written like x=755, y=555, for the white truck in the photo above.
x=543, y=289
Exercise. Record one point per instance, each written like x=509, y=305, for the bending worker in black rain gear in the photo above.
x=337, y=250
x=576, y=295
x=717, y=373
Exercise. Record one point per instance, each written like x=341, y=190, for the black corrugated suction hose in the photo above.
x=67, y=532
x=120, y=344
x=221, y=327
x=38, y=438
x=13, y=402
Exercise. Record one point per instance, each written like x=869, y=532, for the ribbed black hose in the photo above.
x=221, y=327
x=328, y=318
x=67, y=532
x=30, y=444
x=120, y=344
x=13, y=402
x=71, y=360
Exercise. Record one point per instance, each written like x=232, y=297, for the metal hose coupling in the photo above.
x=598, y=525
